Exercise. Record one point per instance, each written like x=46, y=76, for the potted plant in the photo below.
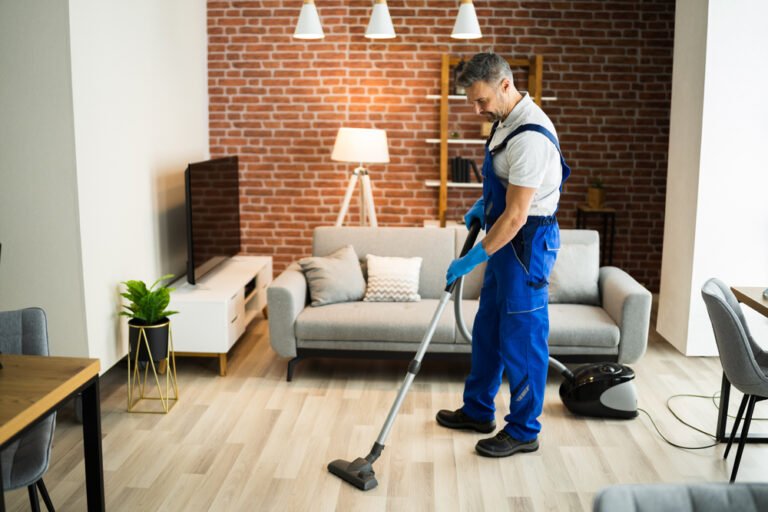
x=596, y=193
x=148, y=318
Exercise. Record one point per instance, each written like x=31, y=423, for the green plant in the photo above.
x=596, y=182
x=147, y=304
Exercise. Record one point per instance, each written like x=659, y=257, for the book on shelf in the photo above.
x=460, y=170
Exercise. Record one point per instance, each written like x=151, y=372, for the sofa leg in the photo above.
x=291, y=366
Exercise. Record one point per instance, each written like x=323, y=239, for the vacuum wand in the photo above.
x=474, y=230
x=359, y=472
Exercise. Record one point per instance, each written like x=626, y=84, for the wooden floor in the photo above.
x=252, y=441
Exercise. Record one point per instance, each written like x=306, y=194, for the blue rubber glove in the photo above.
x=464, y=265
x=476, y=212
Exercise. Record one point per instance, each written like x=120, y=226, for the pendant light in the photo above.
x=466, y=26
x=309, y=26
x=380, y=26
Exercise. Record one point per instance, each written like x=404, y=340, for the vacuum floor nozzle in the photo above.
x=359, y=473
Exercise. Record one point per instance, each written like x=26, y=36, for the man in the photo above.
x=522, y=175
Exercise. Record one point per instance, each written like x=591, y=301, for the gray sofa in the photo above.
x=595, y=313
x=696, y=497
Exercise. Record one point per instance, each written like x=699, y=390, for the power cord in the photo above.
x=713, y=397
x=717, y=404
x=678, y=418
x=675, y=444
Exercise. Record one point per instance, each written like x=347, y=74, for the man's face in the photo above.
x=488, y=100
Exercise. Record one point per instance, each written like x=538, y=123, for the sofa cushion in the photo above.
x=574, y=278
x=374, y=321
x=392, y=279
x=569, y=325
x=434, y=245
x=581, y=325
x=334, y=278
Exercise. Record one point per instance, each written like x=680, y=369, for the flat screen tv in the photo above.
x=213, y=214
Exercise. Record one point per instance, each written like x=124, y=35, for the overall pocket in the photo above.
x=527, y=275
x=522, y=246
x=547, y=244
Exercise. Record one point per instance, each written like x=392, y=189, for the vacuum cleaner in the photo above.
x=601, y=390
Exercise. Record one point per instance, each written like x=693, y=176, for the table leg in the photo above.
x=94, y=466
x=2, y=496
x=613, y=234
x=604, y=236
x=722, y=417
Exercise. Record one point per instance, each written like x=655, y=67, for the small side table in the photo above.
x=608, y=216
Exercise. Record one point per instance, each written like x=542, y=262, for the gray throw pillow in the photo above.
x=574, y=278
x=334, y=278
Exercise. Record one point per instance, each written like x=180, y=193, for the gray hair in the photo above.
x=490, y=68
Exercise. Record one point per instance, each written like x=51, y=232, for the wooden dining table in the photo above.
x=33, y=387
x=751, y=296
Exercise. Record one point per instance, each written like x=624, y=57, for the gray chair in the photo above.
x=24, y=461
x=707, y=497
x=741, y=357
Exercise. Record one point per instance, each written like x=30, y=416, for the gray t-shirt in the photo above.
x=530, y=159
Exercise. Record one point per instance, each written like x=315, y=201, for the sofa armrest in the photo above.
x=286, y=298
x=628, y=303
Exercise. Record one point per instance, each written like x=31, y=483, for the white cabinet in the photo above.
x=215, y=312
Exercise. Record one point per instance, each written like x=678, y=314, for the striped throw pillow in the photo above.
x=392, y=279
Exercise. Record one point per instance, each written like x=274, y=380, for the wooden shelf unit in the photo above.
x=535, y=65
x=452, y=184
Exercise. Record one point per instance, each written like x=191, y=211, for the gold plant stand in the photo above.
x=137, y=380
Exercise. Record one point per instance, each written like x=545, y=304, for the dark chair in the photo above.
x=742, y=358
x=24, y=461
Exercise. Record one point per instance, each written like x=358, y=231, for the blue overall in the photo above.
x=512, y=324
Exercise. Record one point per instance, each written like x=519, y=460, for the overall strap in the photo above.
x=530, y=127
x=527, y=128
x=493, y=131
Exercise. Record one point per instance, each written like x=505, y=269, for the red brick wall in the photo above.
x=277, y=102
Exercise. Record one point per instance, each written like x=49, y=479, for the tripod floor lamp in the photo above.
x=359, y=145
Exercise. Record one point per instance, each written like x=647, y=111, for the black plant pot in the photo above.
x=157, y=337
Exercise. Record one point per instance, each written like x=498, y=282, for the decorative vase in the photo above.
x=156, y=336
x=595, y=197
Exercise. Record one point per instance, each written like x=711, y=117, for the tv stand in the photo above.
x=215, y=312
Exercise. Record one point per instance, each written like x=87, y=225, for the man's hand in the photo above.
x=476, y=212
x=464, y=265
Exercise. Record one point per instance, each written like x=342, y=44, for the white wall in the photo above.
x=675, y=294
x=40, y=263
x=136, y=97
x=716, y=221
x=139, y=80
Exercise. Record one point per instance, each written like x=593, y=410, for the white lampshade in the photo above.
x=466, y=26
x=380, y=26
x=309, y=26
x=361, y=145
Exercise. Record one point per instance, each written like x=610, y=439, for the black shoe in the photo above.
x=457, y=419
x=504, y=445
